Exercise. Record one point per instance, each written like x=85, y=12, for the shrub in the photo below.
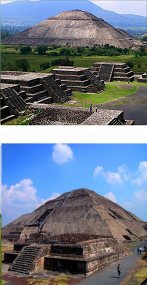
x=22, y=64
x=130, y=64
x=62, y=61
x=25, y=50
x=45, y=65
x=42, y=49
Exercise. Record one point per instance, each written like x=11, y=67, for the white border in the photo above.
x=73, y=134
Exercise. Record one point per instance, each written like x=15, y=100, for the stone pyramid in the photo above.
x=80, y=211
x=73, y=28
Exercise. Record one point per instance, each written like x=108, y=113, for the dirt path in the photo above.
x=108, y=274
x=134, y=106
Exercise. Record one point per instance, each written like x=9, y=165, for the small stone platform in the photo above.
x=110, y=71
x=59, y=115
x=79, y=79
x=142, y=78
x=37, y=87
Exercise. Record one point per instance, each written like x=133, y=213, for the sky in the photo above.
x=138, y=7
x=35, y=173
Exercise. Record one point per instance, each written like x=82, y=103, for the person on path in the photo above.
x=118, y=270
x=96, y=108
x=138, y=251
x=91, y=108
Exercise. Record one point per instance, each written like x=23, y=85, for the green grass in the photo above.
x=21, y=120
x=10, y=55
x=113, y=91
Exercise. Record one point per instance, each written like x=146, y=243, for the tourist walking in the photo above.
x=96, y=108
x=91, y=108
x=118, y=270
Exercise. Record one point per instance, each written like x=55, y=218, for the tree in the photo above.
x=25, y=50
x=22, y=64
x=42, y=49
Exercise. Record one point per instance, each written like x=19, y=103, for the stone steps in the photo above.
x=8, y=118
x=4, y=111
x=23, y=263
x=46, y=100
x=32, y=89
x=123, y=78
x=71, y=77
x=122, y=74
x=70, y=83
x=38, y=95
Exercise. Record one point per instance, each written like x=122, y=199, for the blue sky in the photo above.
x=34, y=173
x=137, y=7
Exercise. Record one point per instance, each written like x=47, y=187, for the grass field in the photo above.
x=11, y=54
x=113, y=91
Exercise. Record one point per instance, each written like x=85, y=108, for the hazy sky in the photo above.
x=35, y=173
x=137, y=7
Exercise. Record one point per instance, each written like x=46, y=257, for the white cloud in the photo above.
x=111, y=197
x=62, y=153
x=137, y=204
x=21, y=198
x=117, y=177
x=141, y=175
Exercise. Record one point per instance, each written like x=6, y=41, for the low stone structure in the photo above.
x=112, y=71
x=11, y=103
x=79, y=79
x=37, y=87
x=60, y=115
x=18, y=89
x=143, y=78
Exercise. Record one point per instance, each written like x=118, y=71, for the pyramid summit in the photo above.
x=78, y=212
x=73, y=28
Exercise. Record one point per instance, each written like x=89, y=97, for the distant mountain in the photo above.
x=29, y=13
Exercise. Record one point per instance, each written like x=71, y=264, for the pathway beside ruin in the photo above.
x=134, y=106
x=108, y=274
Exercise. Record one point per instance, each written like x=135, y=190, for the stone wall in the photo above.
x=58, y=115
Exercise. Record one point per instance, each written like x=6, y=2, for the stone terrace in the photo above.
x=11, y=102
x=112, y=71
x=38, y=87
x=53, y=115
x=79, y=79
x=143, y=78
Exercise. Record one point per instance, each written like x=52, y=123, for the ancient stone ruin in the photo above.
x=60, y=115
x=79, y=79
x=143, y=78
x=112, y=71
x=18, y=89
x=78, y=232
x=73, y=28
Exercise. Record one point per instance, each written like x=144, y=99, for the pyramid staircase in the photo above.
x=24, y=262
x=112, y=71
x=78, y=79
x=11, y=104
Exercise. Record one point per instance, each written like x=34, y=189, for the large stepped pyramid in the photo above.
x=113, y=71
x=72, y=28
x=78, y=79
x=80, y=211
x=24, y=261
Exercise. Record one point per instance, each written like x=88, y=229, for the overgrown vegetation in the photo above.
x=43, y=57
